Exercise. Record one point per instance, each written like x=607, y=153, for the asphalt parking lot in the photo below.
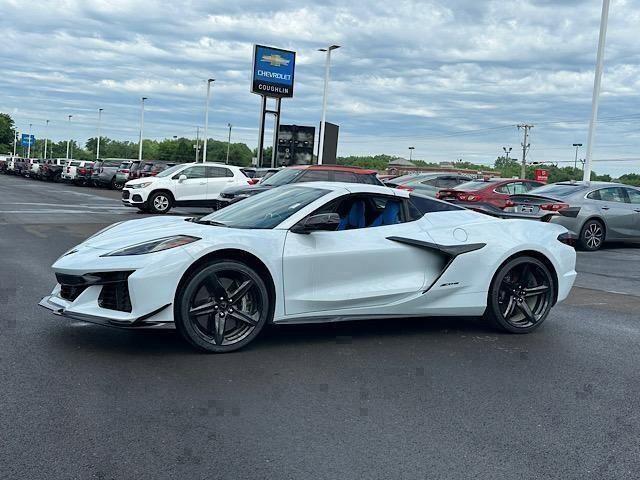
x=432, y=398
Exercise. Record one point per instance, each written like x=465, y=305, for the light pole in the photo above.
x=46, y=129
x=411, y=149
x=228, y=142
x=575, y=161
x=29, y=144
x=141, y=127
x=15, y=141
x=507, y=151
x=206, y=118
x=98, y=142
x=197, y=145
x=69, y=139
x=324, y=98
x=586, y=175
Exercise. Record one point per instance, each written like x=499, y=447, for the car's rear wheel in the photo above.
x=159, y=202
x=222, y=306
x=521, y=295
x=592, y=235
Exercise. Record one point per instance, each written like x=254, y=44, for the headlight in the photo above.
x=139, y=185
x=153, y=246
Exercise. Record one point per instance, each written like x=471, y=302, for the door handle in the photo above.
x=605, y=208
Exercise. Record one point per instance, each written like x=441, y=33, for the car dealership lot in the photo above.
x=381, y=399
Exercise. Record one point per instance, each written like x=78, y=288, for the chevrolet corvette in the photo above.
x=314, y=252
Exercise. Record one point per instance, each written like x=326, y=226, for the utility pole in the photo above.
x=197, y=145
x=45, y=139
x=525, y=146
x=141, y=127
x=15, y=141
x=228, y=143
x=98, y=142
x=69, y=116
x=206, y=118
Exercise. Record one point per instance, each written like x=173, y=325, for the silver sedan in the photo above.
x=595, y=212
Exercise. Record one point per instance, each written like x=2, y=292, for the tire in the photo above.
x=521, y=295
x=592, y=235
x=232, y=304
x=159, y=202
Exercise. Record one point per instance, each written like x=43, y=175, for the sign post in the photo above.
x=273, y=77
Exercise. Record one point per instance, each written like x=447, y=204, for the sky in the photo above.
x=451, y=78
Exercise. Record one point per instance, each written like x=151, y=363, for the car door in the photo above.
x=619, y=216
x=218, y=178
x=356, y=268
x=633, y=196
x=194, y=187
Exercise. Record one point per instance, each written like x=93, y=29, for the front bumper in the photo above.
x=59, y=306
x=134, y=197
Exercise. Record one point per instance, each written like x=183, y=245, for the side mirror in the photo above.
x=322, y=221
x=182, y=178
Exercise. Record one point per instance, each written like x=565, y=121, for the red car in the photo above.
x=487, y=195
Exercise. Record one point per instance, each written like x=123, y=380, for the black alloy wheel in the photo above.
x=521, y=295
x=222, y=307
x=592, y=235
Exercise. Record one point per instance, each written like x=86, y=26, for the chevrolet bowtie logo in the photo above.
x=275, y=60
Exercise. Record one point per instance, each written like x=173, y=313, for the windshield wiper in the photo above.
x=209, y=222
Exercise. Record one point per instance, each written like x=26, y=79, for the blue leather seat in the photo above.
x=389, y=216
x=355, y=218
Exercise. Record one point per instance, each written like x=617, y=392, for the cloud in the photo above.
x=450, y=78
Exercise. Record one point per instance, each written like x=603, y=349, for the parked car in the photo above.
x=428, y=183
x=128, y=170
x=104, y=171
x=36, y=166
x=51, y=170
x=11, y=164
x=3, y=164
x=594, y=212
x=75, y=171
x=258, y=174
x=186, y=184
x=21, y=164
x=153, y=168
x=487, y=195
x=296, y=174
x=313, y=252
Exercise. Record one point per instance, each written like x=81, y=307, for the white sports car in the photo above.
x=314, y=252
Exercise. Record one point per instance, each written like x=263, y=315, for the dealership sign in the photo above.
x=273, y=71
x=542, y=175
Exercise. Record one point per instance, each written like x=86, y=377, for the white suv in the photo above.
x=70, y=170
x=187, y=184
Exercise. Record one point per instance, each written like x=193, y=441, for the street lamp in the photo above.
x=324, y=98
x=228, y=142
x=141, y=127
x=29, y=143
x=98, y=142
x=46, y=130
x=68, y=140
x=206, y=119
x=575, y=161
x=507, y=151
x=411, y=149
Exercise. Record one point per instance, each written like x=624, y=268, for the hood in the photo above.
x=138, y=181
x=246, y=190
x=133, y=232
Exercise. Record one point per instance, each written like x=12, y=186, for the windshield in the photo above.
x=267, y=209
x=283, y=177
x=558, y=189
x=474, y=185
x=168, y=171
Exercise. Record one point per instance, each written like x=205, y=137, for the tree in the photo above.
x=7, y=133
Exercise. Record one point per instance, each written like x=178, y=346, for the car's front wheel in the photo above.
x=222, y=306
x=521, y=295
x=159, y=202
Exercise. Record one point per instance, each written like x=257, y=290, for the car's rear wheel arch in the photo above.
x=538, y=256
x=238, y=255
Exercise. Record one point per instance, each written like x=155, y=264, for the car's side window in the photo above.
x=634, y=195
x=218, y=172
x=610, y=194
x=366, y=211
x=344, y=177
x=198, y=171
x=314, y=176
